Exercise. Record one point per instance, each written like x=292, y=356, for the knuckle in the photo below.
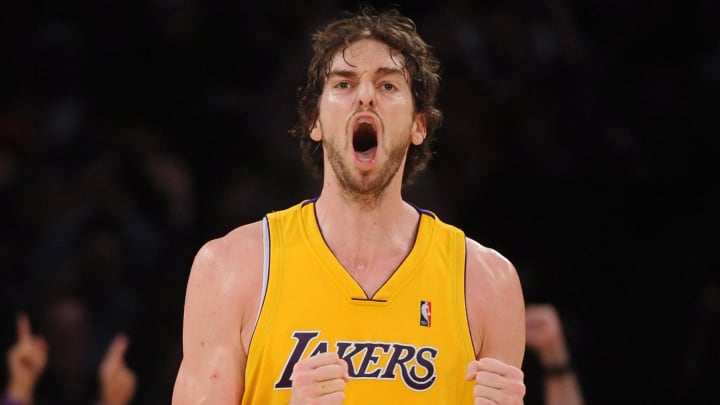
x=306, y=391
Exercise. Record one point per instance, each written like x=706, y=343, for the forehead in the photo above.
x=367, y=52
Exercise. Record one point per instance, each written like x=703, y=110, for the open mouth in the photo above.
x=365, y=140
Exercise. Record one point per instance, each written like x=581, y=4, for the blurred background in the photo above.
x=579, y=141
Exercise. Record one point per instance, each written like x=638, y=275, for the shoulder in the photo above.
x=238, y=243
x=489, y=266
x=492, y=280
x=231, y=263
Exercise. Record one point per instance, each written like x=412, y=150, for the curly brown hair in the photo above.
x=400, y=34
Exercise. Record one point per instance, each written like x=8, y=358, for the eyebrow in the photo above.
x=381, y=71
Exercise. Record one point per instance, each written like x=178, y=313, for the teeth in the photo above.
x=364, y=121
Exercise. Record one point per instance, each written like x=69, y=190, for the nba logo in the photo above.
x=425, y=313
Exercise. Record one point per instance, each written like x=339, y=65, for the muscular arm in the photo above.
x=496, y=315
x=495, y=305
x=220, y=308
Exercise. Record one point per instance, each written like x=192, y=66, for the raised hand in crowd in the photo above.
x=546, y=338
x=26, y=360
x=117, y=382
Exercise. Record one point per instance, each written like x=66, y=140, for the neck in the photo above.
x=375, y=222
x=370, y=243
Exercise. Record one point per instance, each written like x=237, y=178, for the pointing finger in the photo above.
x=117, y=348
x=24, y=332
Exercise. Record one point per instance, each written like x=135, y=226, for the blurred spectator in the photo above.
x=28, y=357
x=117, y=381
x=26, y=361
x=545, y=339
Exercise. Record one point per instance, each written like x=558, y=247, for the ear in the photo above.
x=418, y=132
x=315, y=132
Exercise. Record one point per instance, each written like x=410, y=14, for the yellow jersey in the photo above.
x=408, y=344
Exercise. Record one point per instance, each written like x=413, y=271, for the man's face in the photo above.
x=367, y=118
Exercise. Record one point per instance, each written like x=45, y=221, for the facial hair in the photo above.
x=365, y=188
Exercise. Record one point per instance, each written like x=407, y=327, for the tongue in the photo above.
x=365, y=156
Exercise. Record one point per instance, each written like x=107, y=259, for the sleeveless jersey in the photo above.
x=408, y=344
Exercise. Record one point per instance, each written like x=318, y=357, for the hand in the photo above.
x=319, y=379
x=117, y=381
x=496, y=382
x=26, y=359
x=544, y=334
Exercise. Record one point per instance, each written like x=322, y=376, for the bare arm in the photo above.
x=220, y=308
x=546, y=338
x=496, y=315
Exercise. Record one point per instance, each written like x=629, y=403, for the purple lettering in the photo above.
x=303, y=340
x=400, y=355
x=370, y=358
x=341, y=349
x=422, y=383
x=416, y=365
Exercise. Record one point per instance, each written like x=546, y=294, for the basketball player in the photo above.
x=356, y=296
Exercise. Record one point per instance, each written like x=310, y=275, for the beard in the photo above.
x=365, y=188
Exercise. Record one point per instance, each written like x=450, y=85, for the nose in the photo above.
x=366, y=94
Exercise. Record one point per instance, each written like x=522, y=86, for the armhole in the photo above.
x=265, y=281
x=265, y=267
x=474, y=346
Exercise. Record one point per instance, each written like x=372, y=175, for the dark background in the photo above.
x=579, y=141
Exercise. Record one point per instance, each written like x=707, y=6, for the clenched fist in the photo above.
x=319, y=380
x=496, y=382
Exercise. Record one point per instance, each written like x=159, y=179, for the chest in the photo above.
x=409, y=343
x=370, y=273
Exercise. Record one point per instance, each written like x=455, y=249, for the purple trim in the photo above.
x=367, y=297
x=465, y=288
x=309, y=201
x=423, y=211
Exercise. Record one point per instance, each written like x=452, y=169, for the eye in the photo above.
x=342, y=85
x=389, y=86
